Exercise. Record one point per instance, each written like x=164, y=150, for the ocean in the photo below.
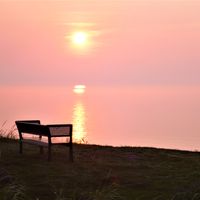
x=150, y=116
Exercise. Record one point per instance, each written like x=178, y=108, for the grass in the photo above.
x=98, y=173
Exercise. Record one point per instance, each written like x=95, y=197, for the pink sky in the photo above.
x=135, y=42
x=149, y=46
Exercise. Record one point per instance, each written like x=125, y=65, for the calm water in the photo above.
x=137, y=116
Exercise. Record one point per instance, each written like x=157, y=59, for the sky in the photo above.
x=130, y=42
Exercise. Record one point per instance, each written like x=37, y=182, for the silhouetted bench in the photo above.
x=34, y=127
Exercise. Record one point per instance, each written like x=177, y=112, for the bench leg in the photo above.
x=49, y=153
x=71, y=153
x=20, y=147
x=41, y=150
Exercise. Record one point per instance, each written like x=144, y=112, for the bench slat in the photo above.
x=59, y=131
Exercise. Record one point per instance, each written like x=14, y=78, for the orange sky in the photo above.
x=132, y=42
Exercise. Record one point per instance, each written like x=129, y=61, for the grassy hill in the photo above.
x=98, y=173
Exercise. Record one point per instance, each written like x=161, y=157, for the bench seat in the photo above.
x=36, y=142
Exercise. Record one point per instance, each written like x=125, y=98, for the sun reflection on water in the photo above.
x=79, y=89
x=79, y=123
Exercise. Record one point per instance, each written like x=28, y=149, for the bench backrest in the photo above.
x=60, y=130
x=32, y=127
x=28, y=121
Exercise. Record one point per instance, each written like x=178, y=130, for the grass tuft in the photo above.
x=7, y=133
x=15, y=192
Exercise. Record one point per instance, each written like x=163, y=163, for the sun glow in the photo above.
x=80, y=38
x=79, y=42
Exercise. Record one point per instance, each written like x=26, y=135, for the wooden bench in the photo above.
x=50, y=131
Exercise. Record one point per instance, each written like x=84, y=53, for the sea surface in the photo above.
x=153, y=116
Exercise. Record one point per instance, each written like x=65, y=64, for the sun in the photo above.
x=80, y=38
x=80, y=42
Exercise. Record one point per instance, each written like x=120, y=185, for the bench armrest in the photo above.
x=60, y=130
